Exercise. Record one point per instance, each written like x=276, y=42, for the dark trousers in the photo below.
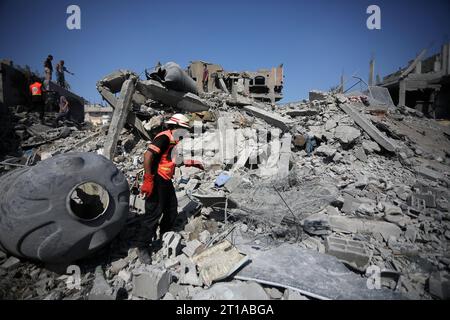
x=61, y=116
x=38, y=105
x=163, y=201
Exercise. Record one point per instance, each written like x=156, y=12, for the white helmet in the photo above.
x=179, y=120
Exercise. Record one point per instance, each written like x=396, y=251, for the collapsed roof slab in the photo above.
x=184, y=101
x=270, y=117
x=369, y=128
x=311, y=273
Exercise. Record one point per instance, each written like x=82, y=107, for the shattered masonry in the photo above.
x=297, y=201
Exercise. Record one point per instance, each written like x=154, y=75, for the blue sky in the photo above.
x=316, y=40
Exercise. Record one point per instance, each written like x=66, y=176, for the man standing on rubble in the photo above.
x=60, y=69
x=63, y=110
x=48, y=68
x=159, y=167
x=205, y=77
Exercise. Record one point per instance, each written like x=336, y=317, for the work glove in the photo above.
x=147, y=186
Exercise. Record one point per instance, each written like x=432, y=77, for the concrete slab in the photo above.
x=271, y=118
x=369, y=128
x=353, y=253
x=188, y=102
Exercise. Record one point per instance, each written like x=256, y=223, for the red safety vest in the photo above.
x=166, y=167
x=36, y=89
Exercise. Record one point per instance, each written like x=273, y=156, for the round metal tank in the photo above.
x=62, y=209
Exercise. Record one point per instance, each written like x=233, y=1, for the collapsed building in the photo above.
x=264, y=85
x=308, y=200
x=424, y=84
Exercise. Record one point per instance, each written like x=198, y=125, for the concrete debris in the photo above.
x=171, y=244
x=270, y=117
x=439, y=285
x=323, y=189
x=151, y=283
x=10, y=263
x=352, y=253
x=188, y=273
x=346, y=134
x=370, y=129
x=219, y=262
x=191, y=247
x=101, y=290
x=233, y=291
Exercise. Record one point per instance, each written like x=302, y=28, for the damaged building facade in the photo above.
x=424, y=84
x=263, y=85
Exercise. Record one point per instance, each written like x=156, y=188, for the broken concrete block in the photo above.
x=10, y=263
x=317, y=224
x=219, y=262
x=351, y=252
x=118, y=265
x=428, y=198
x=191, y=247
x=326, y=150
x=369, y=128
x=151, y=284
x=360, y=154
x=233, y=291
x=204, y=236
x=330, y=124
x=274, y=293
x=2, y=256
x=395, y=215
x=188, y=273
x=101, y=290
x=346, y=134
x=271, y=118
x=290, y=294
x=371, y=146
x=124, y=275
x=171, y=244
x=302, y=113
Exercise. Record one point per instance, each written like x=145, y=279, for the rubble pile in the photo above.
x=339, y=179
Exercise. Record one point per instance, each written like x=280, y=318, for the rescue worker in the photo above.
x=159, y=167
x=36, y=91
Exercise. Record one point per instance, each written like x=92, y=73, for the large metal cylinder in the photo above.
x=62, y=209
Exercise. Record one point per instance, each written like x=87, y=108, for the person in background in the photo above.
x=64, y=110
x=60, y=69
x=48, y=69
x=205, y=77
x=36, y=91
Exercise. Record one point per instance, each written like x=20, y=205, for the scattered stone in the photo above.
x=118, y=265
x=233, y=291
x=352, y=253
x=274, y=293
x=191, y=247
x=371, y=146
x=151, y=284
x=326, y=150
x=439, y=285
x=10, y=263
